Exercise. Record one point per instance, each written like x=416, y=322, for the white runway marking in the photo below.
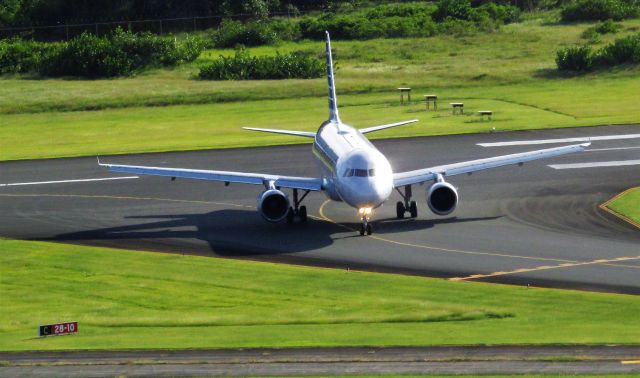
x=564, y=140
x=596, y=164
x=65, y=181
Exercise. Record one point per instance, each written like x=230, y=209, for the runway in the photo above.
x=565, y=360
x=531, y=225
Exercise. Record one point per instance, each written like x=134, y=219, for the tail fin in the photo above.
x=333, y=101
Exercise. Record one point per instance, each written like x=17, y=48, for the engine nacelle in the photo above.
x=442, y=198
x=273, y=205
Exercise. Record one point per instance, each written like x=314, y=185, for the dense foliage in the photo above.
x=232, y=33
x=121, y=53
x=52, y=12
x=18, y=56
x=242, y=66
x=416, y=19
x=623, y=51
x=592, y=10
x=396, y=20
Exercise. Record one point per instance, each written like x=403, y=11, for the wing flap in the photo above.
x=304, y=183
x=427, y=174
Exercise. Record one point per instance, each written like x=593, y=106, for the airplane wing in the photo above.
x=428, y=174
x=307, y=134
x=382, y=127
x=303, y=183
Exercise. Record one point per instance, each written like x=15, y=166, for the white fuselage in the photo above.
x=352, y=169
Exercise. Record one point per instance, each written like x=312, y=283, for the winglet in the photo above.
x=333, y=101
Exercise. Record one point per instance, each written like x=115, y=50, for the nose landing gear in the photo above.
x=365, y=227
x=408, y=205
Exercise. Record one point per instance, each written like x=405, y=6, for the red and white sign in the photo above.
x=58, y=329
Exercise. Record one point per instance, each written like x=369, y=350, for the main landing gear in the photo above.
x=297, y=210
x=408, y=205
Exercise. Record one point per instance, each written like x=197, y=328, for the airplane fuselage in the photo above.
x=352, y=169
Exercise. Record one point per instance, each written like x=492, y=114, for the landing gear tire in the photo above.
x=400, y=210
x=413, y=209
x=290, y=215
x=302, y=213
x=369, y=230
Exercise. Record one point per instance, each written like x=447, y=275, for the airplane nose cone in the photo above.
x=366, y=180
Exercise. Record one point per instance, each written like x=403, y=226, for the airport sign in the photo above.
x=58, y=329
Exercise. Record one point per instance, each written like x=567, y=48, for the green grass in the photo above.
x=125, y=299
x=510, y=71
x=628, y=205
x=187, y=127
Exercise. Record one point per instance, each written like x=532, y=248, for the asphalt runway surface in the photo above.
x=531, y=225
x=480, y=360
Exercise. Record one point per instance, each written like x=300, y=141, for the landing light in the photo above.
x=364, y=210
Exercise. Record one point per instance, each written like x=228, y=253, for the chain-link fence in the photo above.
x=64, y=32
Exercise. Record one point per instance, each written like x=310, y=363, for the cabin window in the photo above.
x=372, y=172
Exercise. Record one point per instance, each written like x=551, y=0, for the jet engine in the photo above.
x=273, y=205
x=442, y=198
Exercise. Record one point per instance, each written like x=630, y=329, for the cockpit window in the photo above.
x=350, y=172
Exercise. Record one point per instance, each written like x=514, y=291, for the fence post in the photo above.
x=96, y=29
x=66, y=30
x=160, y=26
x=194, y=24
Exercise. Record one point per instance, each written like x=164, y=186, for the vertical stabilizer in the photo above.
x=333, y=101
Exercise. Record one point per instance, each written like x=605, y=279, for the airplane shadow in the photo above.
x=222, y=233
x=395, y=225
x=234, y=233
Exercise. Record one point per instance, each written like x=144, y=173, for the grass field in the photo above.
x=511, y=72
x=125, y=299
x=628, y=205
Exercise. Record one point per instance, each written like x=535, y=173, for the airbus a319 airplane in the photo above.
x=352, y=170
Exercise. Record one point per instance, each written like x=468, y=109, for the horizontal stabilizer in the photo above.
x=382, y=127
x=307, y=134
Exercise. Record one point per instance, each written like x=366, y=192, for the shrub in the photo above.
x=242, y=66
x=594, y=33
x=607, y=27
x=119, y=54
x=232, y=33
x=575, y=59
x=19, y=56
x=457, y=9
x=591, y=10
x=390, y=21
x=622, y=51
x=504, y=14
